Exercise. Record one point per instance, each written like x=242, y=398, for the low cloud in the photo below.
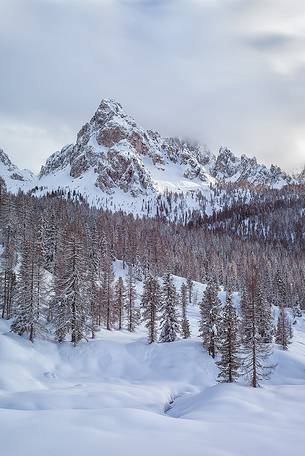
x=226, y=72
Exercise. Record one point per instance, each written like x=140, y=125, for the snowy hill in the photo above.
x=118, y=395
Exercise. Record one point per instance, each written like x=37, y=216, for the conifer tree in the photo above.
x=169, y=325
x=210, y=318
x=229, y=343
x=107, y=296
x=255, y=350
x=151, y=303
x=185, y=324
x=49, y=236
x=119, y=301
x=31, y=296
x=283, y=330
x=296, y=310
x=70, y=299
x=133, y=315
x=92, y=285
x=264, y=311
x=8, y=259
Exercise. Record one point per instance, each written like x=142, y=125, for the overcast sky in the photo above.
x=225, y=72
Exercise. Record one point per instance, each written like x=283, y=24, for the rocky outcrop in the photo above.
x=113, y=152
x=13, y=177
x=113, y=148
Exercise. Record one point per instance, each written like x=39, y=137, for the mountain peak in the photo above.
x=113, y=156
x=13, y=177
x=4, y=159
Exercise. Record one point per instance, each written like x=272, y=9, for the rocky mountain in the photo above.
x=120, y=155
x=115, y=163
x=115, y=154
x=229, y=168
x=14, y=178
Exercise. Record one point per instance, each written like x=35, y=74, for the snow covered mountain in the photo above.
x=113, y=153
x=13, y=177
x=119, y=165
x=229, y=168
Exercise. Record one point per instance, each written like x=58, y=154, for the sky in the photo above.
x=223, y=72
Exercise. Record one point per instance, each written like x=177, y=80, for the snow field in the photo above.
x=116, y=395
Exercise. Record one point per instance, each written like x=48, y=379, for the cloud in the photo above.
x=226, y=72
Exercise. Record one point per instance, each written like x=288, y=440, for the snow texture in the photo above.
x=118, y=395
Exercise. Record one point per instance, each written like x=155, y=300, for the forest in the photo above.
x=57, y=278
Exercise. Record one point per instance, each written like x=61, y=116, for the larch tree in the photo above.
x=256, y=351
x=8, y=259
x=132, y=313
x=119, y=301
x=31, y=293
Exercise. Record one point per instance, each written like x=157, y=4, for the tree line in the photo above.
x=57, y=279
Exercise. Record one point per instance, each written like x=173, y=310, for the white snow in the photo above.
x=117, y=395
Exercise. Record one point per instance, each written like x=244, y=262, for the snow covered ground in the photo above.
x=117, y=395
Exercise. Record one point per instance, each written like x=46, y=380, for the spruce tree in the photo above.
x=296, y=310
x=210, y=318
x=169, y=324
x=229, y=343
x=284, y=329
x=151, y=303
x=70, y=306
x=185, y=324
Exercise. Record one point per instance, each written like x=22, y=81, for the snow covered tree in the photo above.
x=264, y=312
x=49, y=237
x=92, y=284
x=106, y=297
x=31, y=293
x=255, y=350
x=189, y=284
x=185, y=324
x=8, y=259
x=210, y=318
x=151, y=303
x=133, y=314
x=283, y=330
x=169, y=323
x=70, y=305
x=296, y=310
x=229, y=343
x=119, y=301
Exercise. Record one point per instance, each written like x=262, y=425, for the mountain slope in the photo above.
x=116, y=392
x=14, y=178
x=120, y=155
x=118, y=165
x=113, y=154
